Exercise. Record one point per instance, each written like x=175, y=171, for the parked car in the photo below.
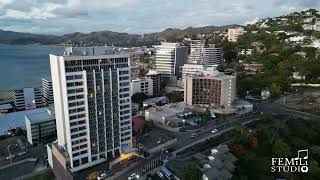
x=193, y=135
x=133, y=176
x=102, y=176
x=214, y=131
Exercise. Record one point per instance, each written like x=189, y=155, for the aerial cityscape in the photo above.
x=136, y=90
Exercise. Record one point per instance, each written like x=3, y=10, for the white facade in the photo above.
x=92, y=105
x=169, y=57
x=142, y=86
x=234, y=33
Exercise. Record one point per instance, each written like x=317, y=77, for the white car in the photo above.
x=133, y=176
x=214, y=131
x=160, y=174
x=102, y=176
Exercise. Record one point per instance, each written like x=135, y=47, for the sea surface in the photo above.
x=24, y=66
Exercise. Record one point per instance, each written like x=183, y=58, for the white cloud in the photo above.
x=98, y=4
x=5, y=2
x=44, y=12
x=253, y=21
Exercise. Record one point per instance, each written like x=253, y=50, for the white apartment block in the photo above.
x=142, y=85
x=27, y=98
x=213, y=89
x=234, y=33
x=169, y=57
x=91, y=90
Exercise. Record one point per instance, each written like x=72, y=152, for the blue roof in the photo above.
x=16, y=119
x=41, y=116
x=5, y=106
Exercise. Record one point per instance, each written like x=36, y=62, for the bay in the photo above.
x=24, y=66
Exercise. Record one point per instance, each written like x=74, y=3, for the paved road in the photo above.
x=205, y=132
x=275, y=108
x=184, y=140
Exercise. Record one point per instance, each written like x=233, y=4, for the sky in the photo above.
x=136, y=16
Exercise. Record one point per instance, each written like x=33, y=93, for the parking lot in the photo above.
x=16, y=148
x=156, y=137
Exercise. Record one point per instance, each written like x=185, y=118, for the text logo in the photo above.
x=298, y=164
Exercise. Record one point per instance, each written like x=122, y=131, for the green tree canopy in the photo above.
x=190, y=172
x=281, y=149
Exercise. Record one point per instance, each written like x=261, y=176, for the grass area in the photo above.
x=46, y=175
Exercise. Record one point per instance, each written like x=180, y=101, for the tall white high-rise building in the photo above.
x=92, y=101
x=169, y=57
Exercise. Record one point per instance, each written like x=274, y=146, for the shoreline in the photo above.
x=5, y=95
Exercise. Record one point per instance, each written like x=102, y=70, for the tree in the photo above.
x=275, y=89
x=281, y=149
x=190, y=172
x=242, y=133
x=138, y=98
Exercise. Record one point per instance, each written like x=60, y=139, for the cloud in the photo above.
x=137, y=16
x=5, y=2
x=287, y=6
x=44, y=12
x=253, y=21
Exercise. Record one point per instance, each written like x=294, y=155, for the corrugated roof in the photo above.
x=16, y=119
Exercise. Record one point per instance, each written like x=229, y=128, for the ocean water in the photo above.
x=24, y=66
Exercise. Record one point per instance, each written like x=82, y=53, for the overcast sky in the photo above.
x=136, y=16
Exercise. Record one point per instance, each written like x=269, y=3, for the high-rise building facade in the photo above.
x=212, y=56
x=213, y=89
x=27, y=98
x=47, y=92
x=196, y=48
x=200, y=54
x=92, y=101
x=169, y=57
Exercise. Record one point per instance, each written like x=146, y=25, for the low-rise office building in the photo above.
x=41, y=127
x=142, y=85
